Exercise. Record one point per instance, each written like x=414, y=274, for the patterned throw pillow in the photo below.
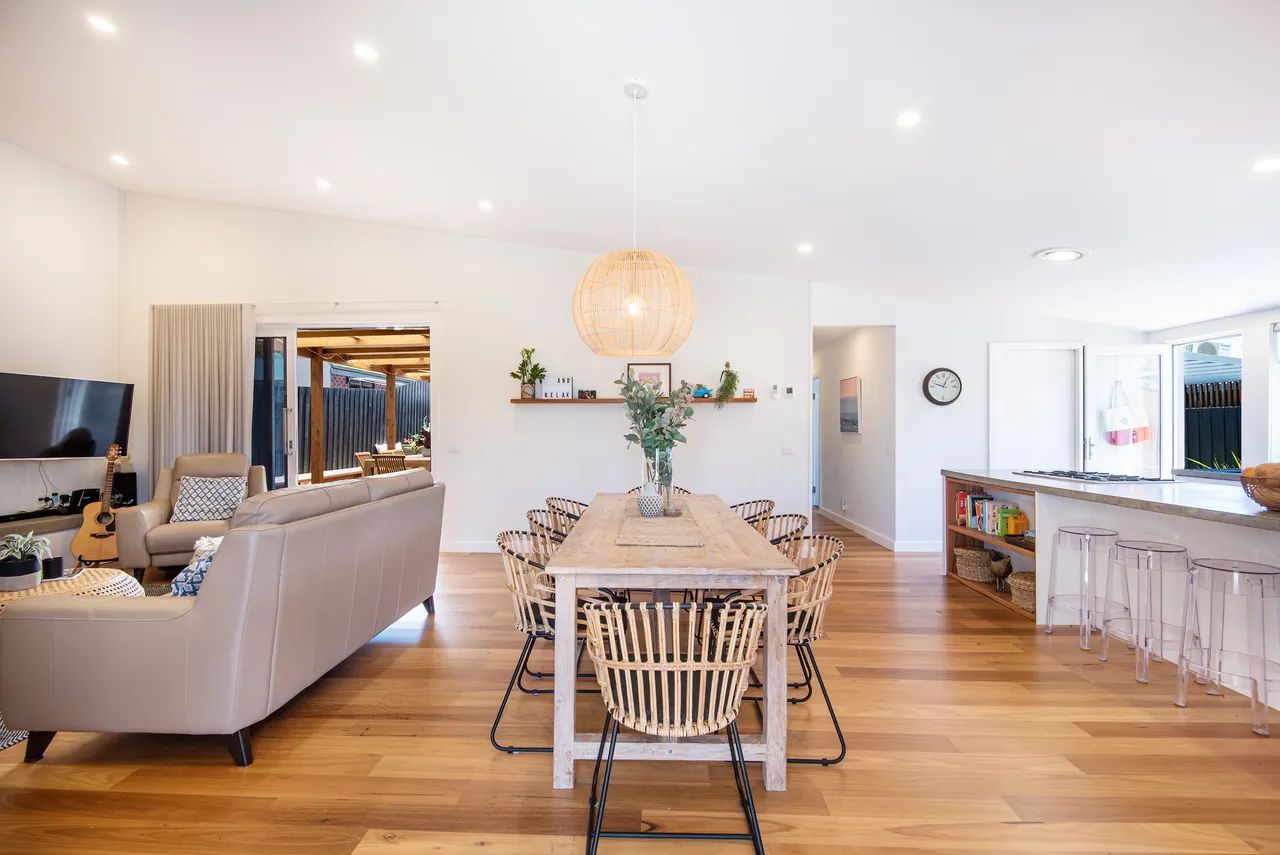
x=187, y=583
x=201, y=499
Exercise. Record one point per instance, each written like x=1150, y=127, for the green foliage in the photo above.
x=528, y=371
x=1216, y=464
x=420, y=441
x=16, y=547
x=657, y=422
x=728, y=386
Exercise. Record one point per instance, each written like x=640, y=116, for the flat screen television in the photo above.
x=49, y=417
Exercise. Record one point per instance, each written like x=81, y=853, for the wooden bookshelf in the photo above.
x=616, y=400
x=958, y=535
x=989, y=591
x=993, y=539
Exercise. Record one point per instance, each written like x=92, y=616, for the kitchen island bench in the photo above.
x=1210, y=518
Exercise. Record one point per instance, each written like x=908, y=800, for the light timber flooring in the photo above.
x=969, y=731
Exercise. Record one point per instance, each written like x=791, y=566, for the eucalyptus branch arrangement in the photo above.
x=728, y=386
x=657, y=422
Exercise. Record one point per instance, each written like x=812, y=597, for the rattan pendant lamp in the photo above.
x=633, y=302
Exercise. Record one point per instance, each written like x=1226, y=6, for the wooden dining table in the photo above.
x=610, y=547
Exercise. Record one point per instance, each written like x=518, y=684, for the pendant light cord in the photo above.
x=635, y=98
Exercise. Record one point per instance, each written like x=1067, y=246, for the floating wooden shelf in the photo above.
x=993, y=539
x=616, y=400
x=988, y=590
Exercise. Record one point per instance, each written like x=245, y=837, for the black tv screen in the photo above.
x=59, y=417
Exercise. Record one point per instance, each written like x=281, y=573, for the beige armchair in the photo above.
x=144, y=535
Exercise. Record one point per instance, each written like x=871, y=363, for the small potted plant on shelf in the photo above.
x=728, y=386
x=420, y=442
x=529, y=373
x=20, y=560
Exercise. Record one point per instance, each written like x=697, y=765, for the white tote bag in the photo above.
x=1125, y=423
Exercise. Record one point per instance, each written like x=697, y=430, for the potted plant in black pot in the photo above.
x=20, y=557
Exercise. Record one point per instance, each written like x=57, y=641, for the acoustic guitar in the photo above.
x=95, y=542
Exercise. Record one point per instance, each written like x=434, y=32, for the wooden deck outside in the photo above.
x=969, y=731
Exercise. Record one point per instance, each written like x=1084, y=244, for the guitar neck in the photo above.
x=107, y=484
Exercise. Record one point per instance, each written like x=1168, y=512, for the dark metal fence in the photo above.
x=356, y=419
x=1212, y=438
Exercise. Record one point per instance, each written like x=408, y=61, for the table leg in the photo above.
x=565, y=681
x=775, y=685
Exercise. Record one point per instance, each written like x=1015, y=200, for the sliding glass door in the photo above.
x=275, y=401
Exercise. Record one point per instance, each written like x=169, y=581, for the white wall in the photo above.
x=499, y=459
x=859, y=467
x=955, y=335
x=59, y=284
x=1260, y=378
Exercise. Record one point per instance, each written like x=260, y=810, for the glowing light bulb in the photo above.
x=634, y=305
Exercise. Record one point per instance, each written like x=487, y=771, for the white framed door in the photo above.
x=1128, y=409
x=289, y=417
x=1035, y=401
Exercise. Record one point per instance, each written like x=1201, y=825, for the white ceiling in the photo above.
x=1128, y=128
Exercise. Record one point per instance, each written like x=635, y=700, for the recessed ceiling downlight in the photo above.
x=1060, y=254
x=102, y=24
x=485, y=205
x=1267, y=164
x=120, y=160
x=323, y=184
x=908, y=119
x=805, y=249
x=365, y=51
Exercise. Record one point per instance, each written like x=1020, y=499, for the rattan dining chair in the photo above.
x=548, y=522
x=680, y=491
x=671, y=671
x=570, y=509
x=807, y=598
x=783, y=531
x=753, y=510
x=388, y=461
x=524, y=560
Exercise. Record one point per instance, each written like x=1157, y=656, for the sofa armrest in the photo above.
x=104, y=664
x=132, y=525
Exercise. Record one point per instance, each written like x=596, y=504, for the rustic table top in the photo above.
x=728, y=545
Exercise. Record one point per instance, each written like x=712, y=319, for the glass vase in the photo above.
x=657, y=475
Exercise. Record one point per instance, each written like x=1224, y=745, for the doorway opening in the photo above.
x=328, y=401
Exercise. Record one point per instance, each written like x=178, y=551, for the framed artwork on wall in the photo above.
x=652, y=372
x=851, y=405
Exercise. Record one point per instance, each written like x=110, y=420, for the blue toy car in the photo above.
x=701, y=391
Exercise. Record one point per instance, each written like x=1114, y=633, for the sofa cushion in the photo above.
x=181, y=537
x=207, y=466
x=296, y=503
x=202, y=499
x=395, y=483
x=187, y=583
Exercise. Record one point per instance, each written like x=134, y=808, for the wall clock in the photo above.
x=942, y=386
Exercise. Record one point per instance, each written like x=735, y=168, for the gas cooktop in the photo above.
x=1098, y=477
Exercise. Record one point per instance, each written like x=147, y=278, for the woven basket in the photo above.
x=974, y=563
x=1023, y=587
x=1264, y=491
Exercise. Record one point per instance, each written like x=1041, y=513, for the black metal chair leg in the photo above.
x=824, y=761
x=750, y=806
x=595, y=776
x=524, y=669
x=593, y=839
x=806, y=683
x=538, y=675
x=733, y=763
x=37, y=742
x=515, y=675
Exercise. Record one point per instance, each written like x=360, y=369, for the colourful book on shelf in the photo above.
x=1006, y=513
x=976, y=504
x=961, y=511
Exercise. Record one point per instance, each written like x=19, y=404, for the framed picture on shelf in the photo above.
x=851, y=405
x=652, y=372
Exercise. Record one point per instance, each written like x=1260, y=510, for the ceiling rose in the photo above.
x=633, y=302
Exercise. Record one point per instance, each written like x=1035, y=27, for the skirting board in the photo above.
x=869, y=534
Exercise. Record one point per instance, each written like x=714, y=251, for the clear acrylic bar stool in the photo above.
x=1088, y=541
x=1145, y=626
x=1211, y=582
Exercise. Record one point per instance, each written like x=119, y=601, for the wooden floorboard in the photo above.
x=968, y=730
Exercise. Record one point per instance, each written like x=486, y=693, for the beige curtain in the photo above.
x=199, y=374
